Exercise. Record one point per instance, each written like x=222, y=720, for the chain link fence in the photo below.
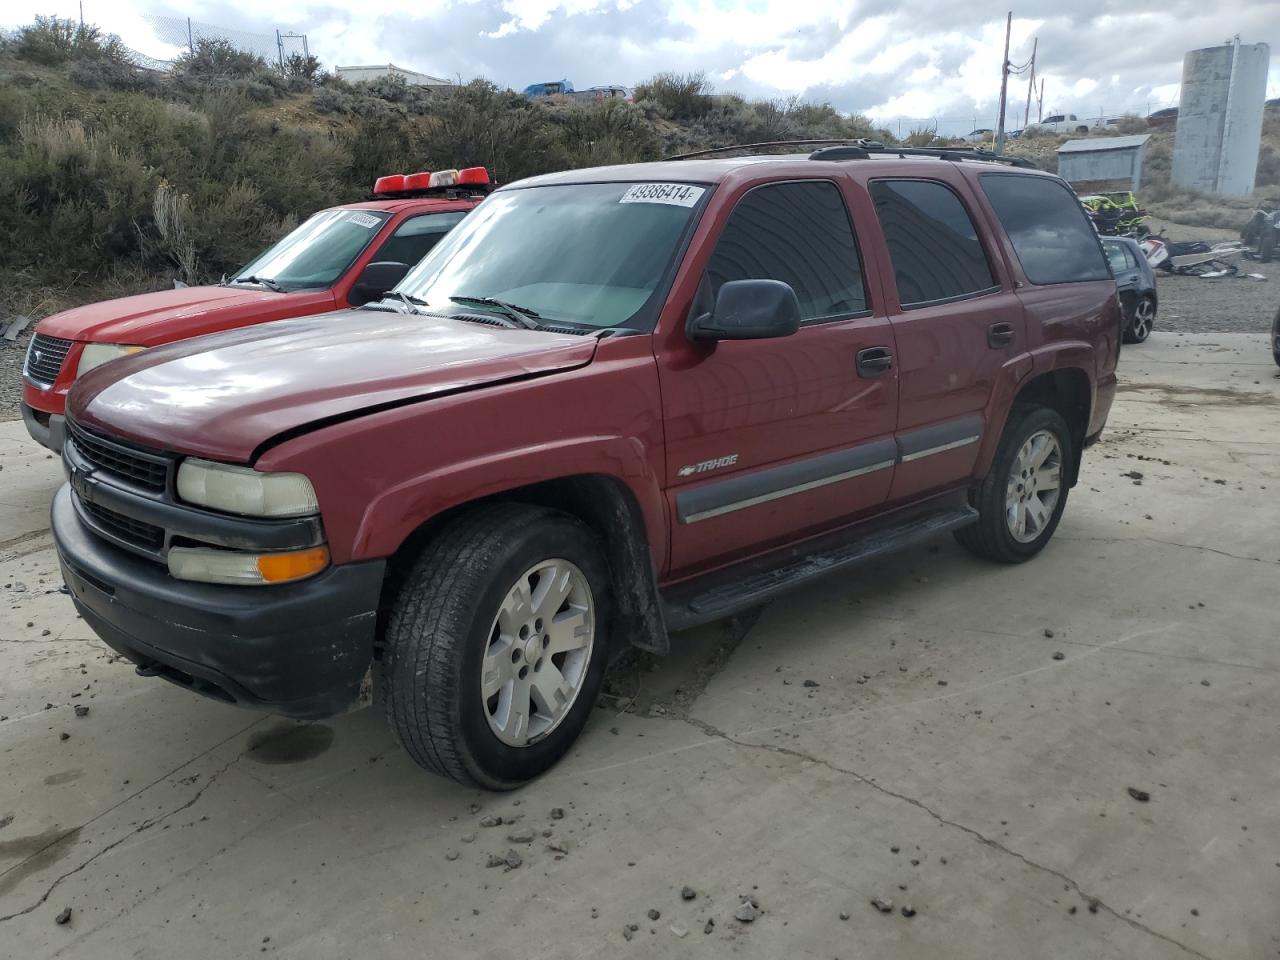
x=183, y=32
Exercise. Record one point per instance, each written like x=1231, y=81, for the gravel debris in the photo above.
x=881, y=904
x=908, y=910
x=710, y=926
x=679, y=931
x=746, y=912
x=521, y=836
x=1048, y=633
x=687, y=893
x=557, y=813
x=1059, y=655
x=1142, y=796
x=654, y=914
x=82, y=711
x=63, y=917
x=812, y=683
x=491, y=820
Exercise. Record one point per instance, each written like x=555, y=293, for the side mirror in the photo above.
x=749, y=310
x=376, y=279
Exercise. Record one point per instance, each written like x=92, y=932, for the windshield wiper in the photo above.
x=413, y=303
x=524, y=316
x=261, y=281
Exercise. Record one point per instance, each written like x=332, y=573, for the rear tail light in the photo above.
x=473, y=175
x=394, y=183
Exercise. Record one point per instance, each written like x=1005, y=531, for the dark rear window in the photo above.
x=1048, y=228
x=932, y=242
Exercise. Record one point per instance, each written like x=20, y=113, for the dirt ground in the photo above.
x=1073, y=758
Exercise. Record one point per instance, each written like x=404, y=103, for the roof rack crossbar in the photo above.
x=862, y=149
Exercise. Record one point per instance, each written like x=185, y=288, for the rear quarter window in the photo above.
x=1048, y=228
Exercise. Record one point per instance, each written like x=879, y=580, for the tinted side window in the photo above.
x=798, y=233
x=1048, y=228
x=415, y=237
x=932, y=241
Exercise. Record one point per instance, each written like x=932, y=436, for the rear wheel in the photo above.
x=496, y=645
x=1142, y=321
x=1022, y=498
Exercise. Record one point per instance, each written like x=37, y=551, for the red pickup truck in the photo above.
x=341, y=257
x=610, y=405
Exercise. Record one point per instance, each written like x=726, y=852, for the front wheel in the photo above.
x=496, y=645
x=1142, y=321
x=1022, y=498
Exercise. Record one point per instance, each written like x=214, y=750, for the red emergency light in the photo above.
x=393, y=183
x=469, y=180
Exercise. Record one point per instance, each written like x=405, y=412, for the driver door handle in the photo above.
x=874, y=361
x=999, y=335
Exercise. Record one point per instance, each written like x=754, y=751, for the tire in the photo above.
x=992, y=537
x=449, y=613
x=1141, y=322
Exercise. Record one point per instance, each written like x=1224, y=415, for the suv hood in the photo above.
x=168, y=315
x=224, y=395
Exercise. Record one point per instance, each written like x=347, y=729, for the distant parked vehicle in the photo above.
x=981, y=135
x=607, y=92
x=1064, y=123
x=1136, y=284
x=1165, y=119
x=550, y=88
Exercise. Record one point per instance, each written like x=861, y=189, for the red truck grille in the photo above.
x=45, y=357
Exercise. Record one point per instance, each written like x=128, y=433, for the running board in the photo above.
x=731, y=591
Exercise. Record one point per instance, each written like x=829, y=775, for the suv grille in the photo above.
x=45, y=357
x=126, y=528
x=144, y=469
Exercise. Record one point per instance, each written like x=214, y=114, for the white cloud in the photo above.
x=886, y=58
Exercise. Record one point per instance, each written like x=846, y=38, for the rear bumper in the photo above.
x=301, y=650
x=46, y=429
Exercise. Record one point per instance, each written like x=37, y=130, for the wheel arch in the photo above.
x=1067, y=390
x=605, y=504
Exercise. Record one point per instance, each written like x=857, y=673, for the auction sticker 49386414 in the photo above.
x=676, y=194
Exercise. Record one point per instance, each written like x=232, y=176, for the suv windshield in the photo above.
x=318, y=252
x=590, y=254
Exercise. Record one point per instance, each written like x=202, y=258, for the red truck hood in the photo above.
x=168, y=315
x=224, y=395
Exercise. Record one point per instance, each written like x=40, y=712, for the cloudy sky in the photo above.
x=890, y=59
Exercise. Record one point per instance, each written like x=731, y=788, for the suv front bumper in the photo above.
x=46, y=429
x=300, y=650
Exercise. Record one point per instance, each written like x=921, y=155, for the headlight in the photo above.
x=245, y=569
x=245, y=491
x=96, y=354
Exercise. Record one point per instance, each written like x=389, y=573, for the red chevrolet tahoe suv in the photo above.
x=610, y=405
x=341, y=257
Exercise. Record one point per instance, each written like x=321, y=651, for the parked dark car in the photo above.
x=1275, y=338
x=1137, y=286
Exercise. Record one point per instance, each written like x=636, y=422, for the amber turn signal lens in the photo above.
x=279, y=567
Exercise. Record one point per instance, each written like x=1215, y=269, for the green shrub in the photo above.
x=53, y=40
x=214, y=57
x=683, y=96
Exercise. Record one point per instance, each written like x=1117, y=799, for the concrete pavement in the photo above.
x=947, y=758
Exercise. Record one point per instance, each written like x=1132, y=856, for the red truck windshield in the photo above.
x=317, y=253
x=590, y=254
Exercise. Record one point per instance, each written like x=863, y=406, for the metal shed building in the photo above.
x=1100, y=160
x=414, y=78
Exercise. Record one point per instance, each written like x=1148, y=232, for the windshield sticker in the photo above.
x=363, y=219
x=675, y=194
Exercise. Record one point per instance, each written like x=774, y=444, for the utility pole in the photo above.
x=1004, y=83
x=1040, y=104
x=191, y=43
x=1031, y=84
x=280, y=50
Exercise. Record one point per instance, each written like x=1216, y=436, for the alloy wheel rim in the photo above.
x=538, y=650
x=1142, y=320
x=1035, y=483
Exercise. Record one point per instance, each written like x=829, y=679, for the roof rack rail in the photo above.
x=862, y=149
x=769, y=144
x=955, y=154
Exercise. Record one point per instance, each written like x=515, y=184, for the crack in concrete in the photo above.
x=146, y=825
x=1168, y=543
x=714, y=732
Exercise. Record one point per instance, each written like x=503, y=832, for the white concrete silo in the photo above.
x=1224, y=90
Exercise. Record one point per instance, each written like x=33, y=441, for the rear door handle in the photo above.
x=999, y=335
x=874, y=361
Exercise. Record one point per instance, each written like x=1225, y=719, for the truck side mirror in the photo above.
x=376, y=279
x=749, y=310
